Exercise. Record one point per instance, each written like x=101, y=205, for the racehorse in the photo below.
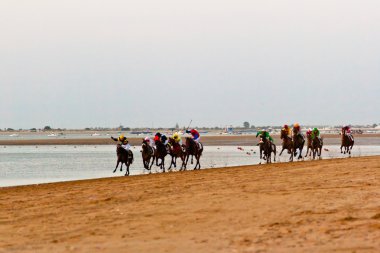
x=123, y=156
x=316, y=146
x=308, y=137
x=299, y=142
x=147, y=154
x=266, y=148
x=347, y=143
x=287, y=143
x=193, y=149
x=175, y=151
x=159, y=153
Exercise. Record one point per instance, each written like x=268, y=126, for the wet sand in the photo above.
x=243, y=140
x=318, y=206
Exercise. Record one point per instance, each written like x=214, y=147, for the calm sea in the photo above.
x=21, y=165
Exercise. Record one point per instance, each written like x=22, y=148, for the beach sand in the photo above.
x=242, y=140
x=317, y=206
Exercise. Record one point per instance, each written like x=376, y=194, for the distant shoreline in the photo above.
x=222, y=140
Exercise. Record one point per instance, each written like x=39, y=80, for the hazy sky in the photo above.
x=76, y=63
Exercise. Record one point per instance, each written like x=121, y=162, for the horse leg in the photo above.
x=197, y=159
x=117, y=164
x=341, y=151
x=150, y=167
x=281, y=151
x=171, y=163
x=121, y=166
x=300, y=155
x=127, y=169
x=291, y=154
x=192, y=157
x=163, y=164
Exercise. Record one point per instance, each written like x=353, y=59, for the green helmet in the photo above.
x=315, y=129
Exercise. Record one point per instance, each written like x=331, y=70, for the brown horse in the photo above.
x=299, y=142
x=159, y=153
x=316, y=146
x=123, y=156
x=175, y=151
x=147, y=153
x=347, y=143
x=287, y=143
x=263, y=155
x=308, y=145
x=193, y=149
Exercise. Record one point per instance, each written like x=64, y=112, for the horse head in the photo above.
x=171, y=141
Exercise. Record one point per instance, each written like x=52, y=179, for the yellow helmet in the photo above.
x=296, y=125
x=121, y=137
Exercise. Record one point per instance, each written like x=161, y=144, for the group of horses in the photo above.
x=294, y=145
x=157, y=153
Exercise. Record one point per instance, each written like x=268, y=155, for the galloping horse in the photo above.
x=316, y=146
x=147, y=153
x=267, y=147
x=299, y=142
x=160, y=153
x=309, y=147
x=287, y=143
x=123, y=156
x=193, y=149
x=347, y=143
x=175, y=151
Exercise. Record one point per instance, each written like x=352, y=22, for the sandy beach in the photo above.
x=243, y=140
x=318, y=206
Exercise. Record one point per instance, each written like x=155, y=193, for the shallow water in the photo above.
x=21, y=165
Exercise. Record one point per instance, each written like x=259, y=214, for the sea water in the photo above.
x=22, y=165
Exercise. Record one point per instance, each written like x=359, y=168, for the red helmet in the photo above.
x=286, y=126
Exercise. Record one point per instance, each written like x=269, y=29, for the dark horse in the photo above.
x=287, y=143
x=266, y=149
x=299, y=142
x=123, y=156
x=316, y=146
x=175, y=151
x=147, y=153
x=160, y=153
x=347, y=143
x=193, y=149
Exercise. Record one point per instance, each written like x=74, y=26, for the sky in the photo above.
x=148, y=63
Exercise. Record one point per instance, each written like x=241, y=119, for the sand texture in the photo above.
x=318, y=206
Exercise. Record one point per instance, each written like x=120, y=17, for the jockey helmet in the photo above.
x=158, y=134
x=121, y=137
x=286, y=126
x=315, y=129
x=175, y=135
x=147, y=139
x=296, y=125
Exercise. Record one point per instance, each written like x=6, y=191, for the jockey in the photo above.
x=315, y=133
x=308, y=132
x=177, y=138
x=149, y=141
x=264, y=135
x=195, y=134
x=296, y=129
x=123, y=142
x=161, y=137
x=347, y=130
x=286, y=128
